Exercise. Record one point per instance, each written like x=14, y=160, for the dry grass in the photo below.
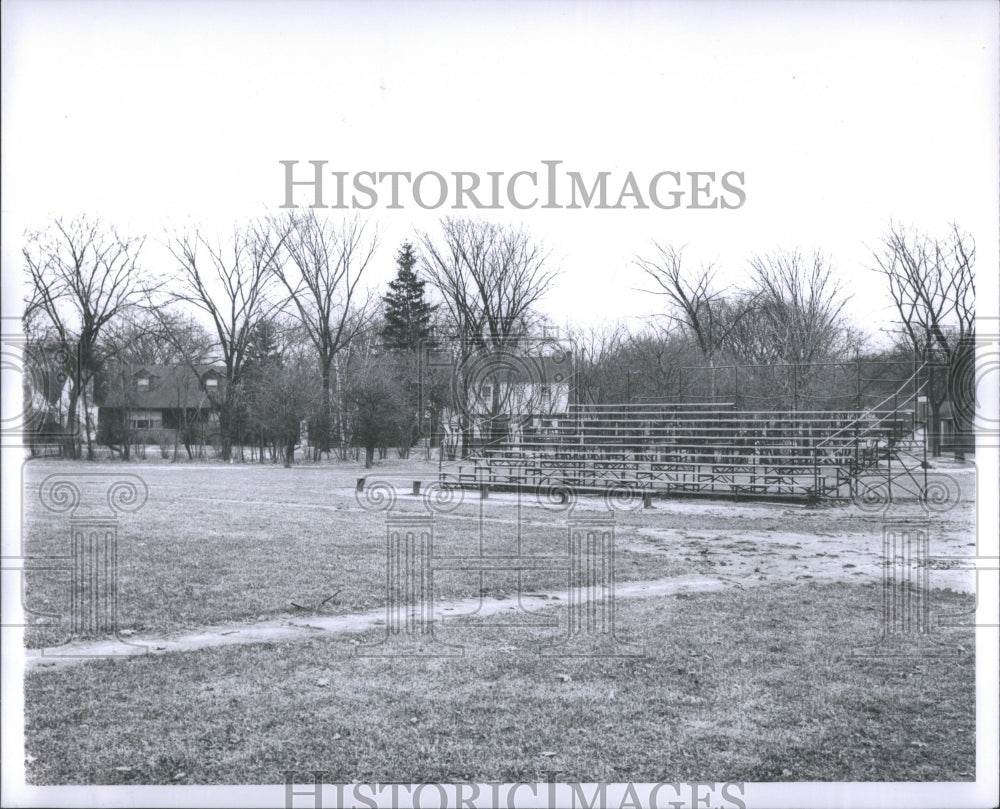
x=753, y=685
x=216, y=544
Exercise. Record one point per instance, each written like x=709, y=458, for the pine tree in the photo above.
x=407, y=313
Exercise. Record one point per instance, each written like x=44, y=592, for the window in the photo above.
x=211, y=383
x=142, y=383
x=145, y=419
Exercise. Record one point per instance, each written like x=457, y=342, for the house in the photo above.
x=138, y=403
x=510, y=398
x=537, y=386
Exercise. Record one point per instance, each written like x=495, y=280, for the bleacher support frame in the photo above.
x=714, y=450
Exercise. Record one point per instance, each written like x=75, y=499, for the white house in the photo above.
x=504, y=400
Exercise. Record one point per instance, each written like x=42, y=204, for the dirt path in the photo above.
x=293, y=629
x=731, y=562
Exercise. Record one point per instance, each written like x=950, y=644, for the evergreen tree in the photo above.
x=264, y=348
x=407, y=313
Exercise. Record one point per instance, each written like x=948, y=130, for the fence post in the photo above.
x=889, y=448
x=858, y=383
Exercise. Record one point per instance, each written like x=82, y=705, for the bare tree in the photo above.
x=327, y=261
x=797, y=326
x=490, y=278
x=932, y=284
x=707, y=314
x=790, y=314
x=616, y=366
x=799, y=306
x=232, y=285
x=157, y=336
x=82, y=276
x=282, y=397
x=595, y=347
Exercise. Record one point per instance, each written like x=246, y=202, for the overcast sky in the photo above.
x=841, y=116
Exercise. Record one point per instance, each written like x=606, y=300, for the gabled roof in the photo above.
x=170, y=386
x=519, y=370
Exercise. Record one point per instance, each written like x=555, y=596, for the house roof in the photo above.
x=169, y=386
x=524, y=369
x=557, y=370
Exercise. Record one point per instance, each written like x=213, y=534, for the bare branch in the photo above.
x=490, y=278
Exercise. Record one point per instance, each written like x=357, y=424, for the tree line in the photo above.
x=280, y=306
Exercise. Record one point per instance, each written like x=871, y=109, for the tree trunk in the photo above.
x=326, y=408
x=963, y=394
x=225, y=430
x=336, y=396
x=466, y=437
x=88, y=433
x=934, y=428
x=369, y=456
x=72, y=427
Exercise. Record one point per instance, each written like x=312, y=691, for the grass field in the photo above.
x=752, y=682
x=220, y=543
x=755, y=686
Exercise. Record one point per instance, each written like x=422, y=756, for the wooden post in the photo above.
x=360, y=486
x=416, y=488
